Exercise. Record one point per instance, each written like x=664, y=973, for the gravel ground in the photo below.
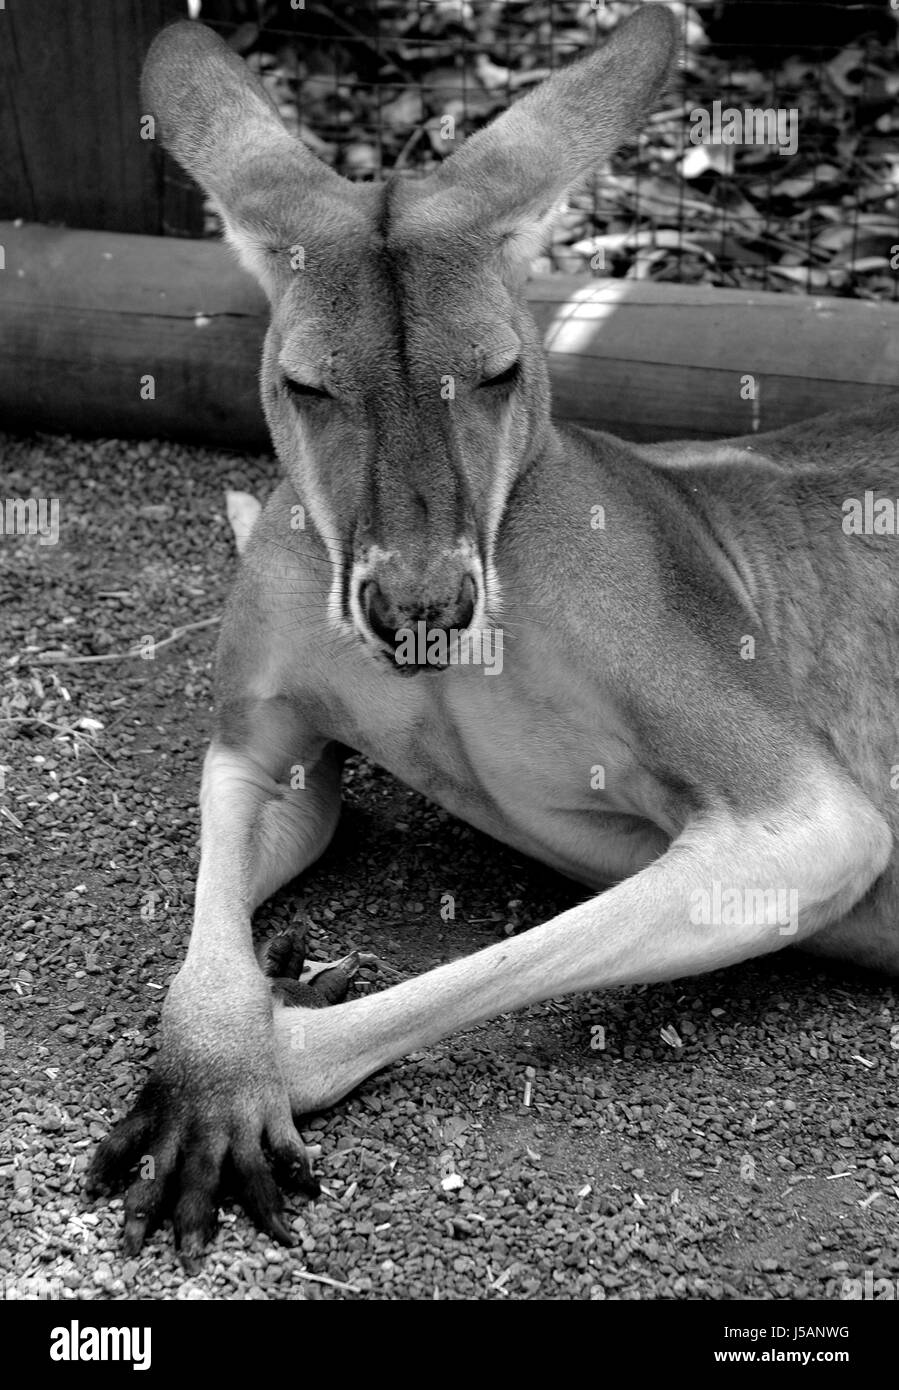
x=723, y=1138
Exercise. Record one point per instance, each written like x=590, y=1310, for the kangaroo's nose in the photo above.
x=386, y=617
x=465, y=604
x=380, y=613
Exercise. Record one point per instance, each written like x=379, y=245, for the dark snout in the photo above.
x=414, y=613
x=387, y=616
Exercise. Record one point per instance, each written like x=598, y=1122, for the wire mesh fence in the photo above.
x=773, y=163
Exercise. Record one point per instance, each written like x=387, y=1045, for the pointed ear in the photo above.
x=218, y=121
x=512, y=174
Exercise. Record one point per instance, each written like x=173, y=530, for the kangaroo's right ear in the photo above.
x=218, y=121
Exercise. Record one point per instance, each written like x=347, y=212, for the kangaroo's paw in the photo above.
x=301, y=983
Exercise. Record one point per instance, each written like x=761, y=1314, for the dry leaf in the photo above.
x=242, y=509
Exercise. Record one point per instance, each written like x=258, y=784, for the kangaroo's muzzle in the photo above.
x=389, y=598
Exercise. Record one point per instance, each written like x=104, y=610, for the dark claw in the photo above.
x=280, y=1231
x=191, y=1243
x=293, y=994
x=314, y=986
x=332, y=986
x=309, y=1187
x=328, y=987
x=199, y=1180
x=285, y=954
x=294, y=1173
x=128, y=1141
x=146, y=1197
x=259, y=1195
x=133, y=1238
x=138, y=1225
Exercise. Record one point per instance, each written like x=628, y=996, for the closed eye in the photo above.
x=302, y=391
x=503, y=378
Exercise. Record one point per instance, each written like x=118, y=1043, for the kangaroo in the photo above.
x=694, y=713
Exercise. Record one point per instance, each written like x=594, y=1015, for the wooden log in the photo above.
x=87, y=317
x=658, y=361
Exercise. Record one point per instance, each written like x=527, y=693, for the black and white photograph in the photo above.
x=449, y=663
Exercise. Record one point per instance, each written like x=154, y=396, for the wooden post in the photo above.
x=88, y=317
x=70, y=146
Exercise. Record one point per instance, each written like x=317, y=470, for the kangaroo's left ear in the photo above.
x=512, y=175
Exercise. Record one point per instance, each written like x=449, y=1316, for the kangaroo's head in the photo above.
x=402, y=378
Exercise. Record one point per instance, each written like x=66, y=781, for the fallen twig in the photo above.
x=67, y=730
x=51, y=659
x=324, y=1279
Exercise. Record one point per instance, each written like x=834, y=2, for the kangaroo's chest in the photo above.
x=535, y=758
